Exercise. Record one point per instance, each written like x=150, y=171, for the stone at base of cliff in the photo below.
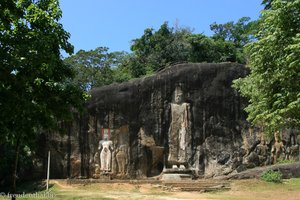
x=291, y=170
x=203, y=185
x=176, y=177
x=121, y=177
x=176, y=174
x=177, y=171
x=102, y=176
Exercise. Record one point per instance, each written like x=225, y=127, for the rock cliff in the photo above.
x=186, y=116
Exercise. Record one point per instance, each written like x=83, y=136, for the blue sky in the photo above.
x=114, y=23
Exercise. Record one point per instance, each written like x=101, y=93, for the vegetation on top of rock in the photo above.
x=156, y=50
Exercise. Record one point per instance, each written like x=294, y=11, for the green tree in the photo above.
x=34, y=94
x=157, y=49
x=121, y=73
x=236, y=35
x=98, y=67
x=207, y=49
x=273, y=86
x=239, y=33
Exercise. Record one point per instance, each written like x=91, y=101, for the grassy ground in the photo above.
x=260, y=190
x=240, y=190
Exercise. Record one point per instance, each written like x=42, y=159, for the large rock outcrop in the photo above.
x=187, y=116
x=139, y=115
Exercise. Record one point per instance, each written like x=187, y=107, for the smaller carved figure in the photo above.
x=262, y=151
x=75, y=167
x=121, y=157
x=105, y=147
x=277, y=148
x=292, y=151
x=97, y=163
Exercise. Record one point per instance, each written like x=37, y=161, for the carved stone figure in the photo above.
x=292, y=152
x=121, y=157
x=97, y=163
x=262, y=152
x=277, y=148
x=179, y=130
x=75, y=167
x=105, y=147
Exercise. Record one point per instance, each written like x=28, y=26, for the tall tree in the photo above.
x=97, y=67
x=207, y=49
x=34, y=94
x=239, y=34
x=157, y=49
x=273, y=86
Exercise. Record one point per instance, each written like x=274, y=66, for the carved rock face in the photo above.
x=186, y=114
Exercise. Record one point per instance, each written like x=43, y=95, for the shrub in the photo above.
x=285, y=161
x=272, y=176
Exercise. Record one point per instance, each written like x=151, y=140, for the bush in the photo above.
x=284, y=161
x=272, y=176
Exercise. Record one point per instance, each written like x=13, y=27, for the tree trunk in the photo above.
x=14, y=188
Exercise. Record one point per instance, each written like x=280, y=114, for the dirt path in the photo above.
x=245, y=189
x=120, y=191
x=61, y=184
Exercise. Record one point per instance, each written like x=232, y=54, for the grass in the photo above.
x=261, y=190
x=284, y=161
x=240, y=190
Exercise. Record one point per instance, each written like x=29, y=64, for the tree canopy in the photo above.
x=274, y=82
x=34, y=92
x=155, y=50
x=96, y=68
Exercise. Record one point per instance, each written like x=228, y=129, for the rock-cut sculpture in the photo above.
x=179, y=131
x=105, y=147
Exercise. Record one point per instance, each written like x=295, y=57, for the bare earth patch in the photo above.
x=240, y=190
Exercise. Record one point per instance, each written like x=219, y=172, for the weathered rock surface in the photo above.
x=139, y=116
x=143, y=121
x=291, y=170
